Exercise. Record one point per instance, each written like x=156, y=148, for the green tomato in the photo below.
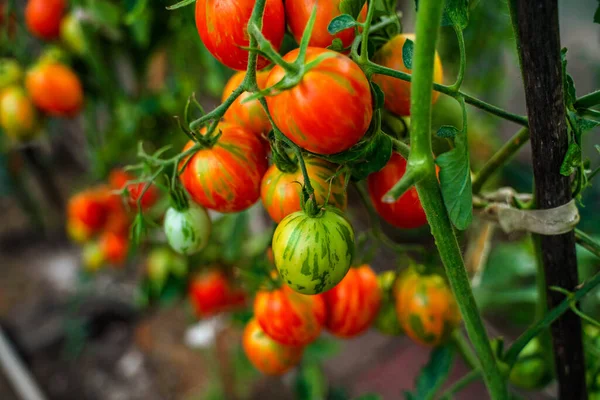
x=313, y=254
x=161, y=263
x=72, y=34
x=18, y=115
x=187, y=230
x=387, y=318
x=532, y=370
x=10, y=72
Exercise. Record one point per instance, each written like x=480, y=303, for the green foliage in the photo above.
x=408, y=50
x=351, y=7
x=433, y=375
x=311, y=383
x=456, y=13
x=340, y=23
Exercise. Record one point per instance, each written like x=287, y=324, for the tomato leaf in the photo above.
x=378, y=96
x=235, y=228
x=351, y=7
x=447, y=132
x=408, y=50
x=455, y=180
x=569, y=86
x=456, y=13
x=311, y=382
x=433, y=374
x=336, y=45
x=572, y=160
x=340, y=23
x=182, y=3
x=374, y=157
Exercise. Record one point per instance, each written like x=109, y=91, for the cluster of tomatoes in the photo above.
x=49, y=87
x=100, y=219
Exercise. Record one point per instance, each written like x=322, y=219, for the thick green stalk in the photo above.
x=421, y=161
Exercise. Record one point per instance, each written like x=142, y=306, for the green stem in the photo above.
x=501, y=157
x=587, y=242
x=364, y=50
x=421, y=161
x=218, y=112
x=460, y=384
x=513, y=352
x=401, y=148
x=588, y=100
x=464, y=348
x=385, y=22
x=463, y=59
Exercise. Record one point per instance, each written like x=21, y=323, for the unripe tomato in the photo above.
x=72, y=35
x=533, y=370
x=249, y=115
x=387, y=319
x=187, y=230
x=406, y=212
x=10, y=72
x=55, y=89
x=212, y=292
x=288, y=317
x=267, y=355
x=397, y=91
x=161, y=263
x=313, y=254
x=426, y=307
x=330, y=110
x=280, y=191
x=89, y=208
x=222, y=28
x=43, y=17
x=114, y=247
x=78, y=232
x=118, y=179
x=298, y=13
x=353, y=304
x=18, y=116
x=92, y=257
x=226, y=177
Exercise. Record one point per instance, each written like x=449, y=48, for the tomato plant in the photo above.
x=267, y=355
x=43, y=17
x=280, y=191
x=313, y=253
x=18, y=116
x=288, y=317
x=353, y=304
x=55, y=89
x=532, y=370
x=221, y=25
x=187, y=230
x=335, y=84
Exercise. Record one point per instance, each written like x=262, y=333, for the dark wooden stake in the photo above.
x=538, y=32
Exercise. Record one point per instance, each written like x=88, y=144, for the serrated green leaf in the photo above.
x=336, y=45
x=456, y=13
x=408, y=50
x=447, y=132
x=351, y=7
x=378, y=96
x=374, y=158
x=340, y=23
x=572, y=160
x=455, y=180
x=311, y=382
x=569, y=85
x=433, y=374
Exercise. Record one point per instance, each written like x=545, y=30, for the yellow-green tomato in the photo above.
x=532, y=370
x=72, y=34
x=161, y=263
x=387, y=319
x=10, y=72
x=187, y=230
x=313, y=253
x=18, y=116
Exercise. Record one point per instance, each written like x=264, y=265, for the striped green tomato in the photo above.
x=313, y=254
x=187, y=230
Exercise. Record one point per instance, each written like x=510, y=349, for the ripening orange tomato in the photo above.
x=43, y=17
x=267, y=355
x=18, y=116
x=88, y=209
x=55, y=89
x=114, y=247
x=212, y=291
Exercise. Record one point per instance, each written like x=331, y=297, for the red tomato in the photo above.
x=280, y=191
x=298, y=12
x=354, y=303
x=397, y=92
x=248, y=115
x=289, y=317
x=267, y=355
x=226, y=177
x=222, y=27
x=89, y=209
x=330, y=110
x=211, y=292
x=426, y=307
x=55, y=89
x=114, y=247
x=119, y=178
x=43, y=17
x=406, y=212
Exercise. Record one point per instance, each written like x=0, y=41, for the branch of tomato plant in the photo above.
x=422, y=166
x=587, y=242
x=460, y=384
x=502, y=156
x=465, y=349
x=512, y=353
x=463, y=58
x=588, y=100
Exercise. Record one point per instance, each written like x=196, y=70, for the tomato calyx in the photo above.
x=281, y=158
x=178, y=196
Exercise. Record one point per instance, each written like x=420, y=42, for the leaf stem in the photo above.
x=587, y=242
x=460, y=384
x=464, y=348
x=364, y=50
x=463, y=59
x=588, y=100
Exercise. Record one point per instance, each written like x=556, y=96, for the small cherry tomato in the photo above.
x=118, y=180
x=249, y=115
x=212, y=292
x=387, y=319
x=280, y=191
x=353, y=304
x=267, y=355
x=222, y=27
x=298, y=13
x=330, y=110
x=72, y=35
x=426, y=307
x=533, y=369
x=10, y=72
x=406, y=212
x=187, y=230
x=43, y=17
x=92, y=257
x=226, y=177
x=161, y=263
x=313, y=254
x=78, y=231
x=55, y=89
x=397, y=91
x=288, y=317
x=114, y=248
x=89, y=208
x=18, y=116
